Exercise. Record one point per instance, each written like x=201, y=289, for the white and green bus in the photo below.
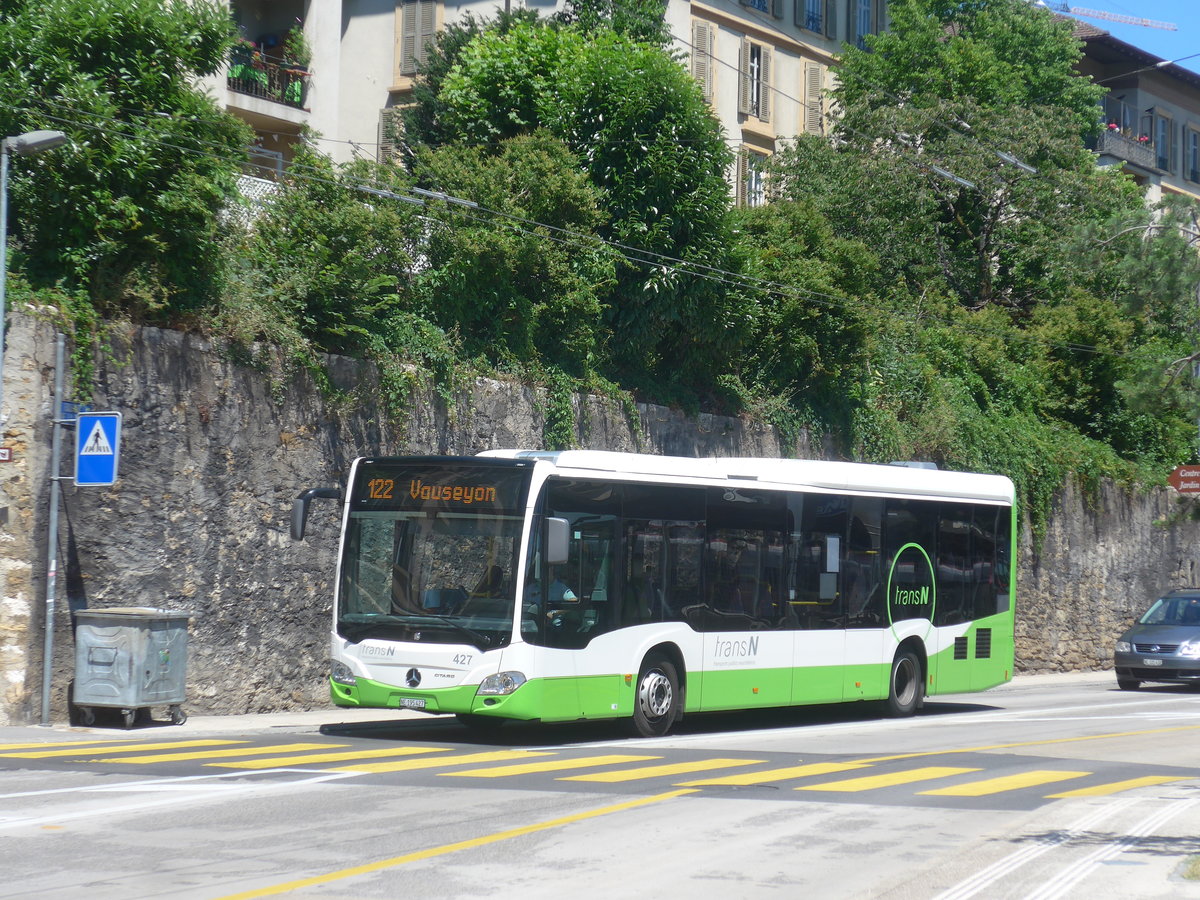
x=561, y=586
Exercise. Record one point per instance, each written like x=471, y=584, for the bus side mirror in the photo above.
x=557, y=551
x=300, y=507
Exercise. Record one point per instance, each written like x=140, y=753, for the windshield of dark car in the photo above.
x=1173, y=611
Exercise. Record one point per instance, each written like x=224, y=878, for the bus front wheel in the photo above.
x=656, y=706
x=906, y=687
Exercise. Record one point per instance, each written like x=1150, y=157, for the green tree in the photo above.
x=644, y=134
x=130, y=210
x=637, y=20
x=522, y=282
x=326, y=258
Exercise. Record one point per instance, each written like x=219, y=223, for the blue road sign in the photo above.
x=97, y=448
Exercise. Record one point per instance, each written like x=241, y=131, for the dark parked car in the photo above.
x=1163, y=645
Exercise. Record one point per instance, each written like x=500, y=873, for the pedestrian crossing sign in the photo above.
x=97, y=448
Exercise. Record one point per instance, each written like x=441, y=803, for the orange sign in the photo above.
x=1186, y=479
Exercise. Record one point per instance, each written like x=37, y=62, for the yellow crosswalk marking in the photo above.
x=411, y=764
x=59, y=744
x=697, y=765
x=210, y=754
x=1115, y=787
x=277, y=761
x=1005, y=783
x=870, y=782
x=552, y=765
x=775, y=774
x=123, y=748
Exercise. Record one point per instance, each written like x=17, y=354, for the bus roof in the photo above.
x=810, y=473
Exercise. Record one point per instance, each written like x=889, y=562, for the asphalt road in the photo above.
x=1053, y=786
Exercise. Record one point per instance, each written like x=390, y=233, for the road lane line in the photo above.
x=889, y=779
x=989, y=786
x=125, y=748
x=410, y=765
x=989, y=875
x=1116, y=787
x=276, y=761
x=746, y=778
x=696, y=765
x=218, y=791
x=210, y=754
x=552, y=765
x=455, y=847
x=1070, y=876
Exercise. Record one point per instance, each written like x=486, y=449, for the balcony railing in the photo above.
x=1136, y=150
x=252, y=72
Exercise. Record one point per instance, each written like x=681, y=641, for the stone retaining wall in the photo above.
x=213, y=453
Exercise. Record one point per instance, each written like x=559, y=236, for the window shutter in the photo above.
x=798, y=13
x=743, y=173
x=830, y=18
x=408, y=37
x=391, y=124
x=418, y=28
x=744, y=104
x=777, y=8
x=702, y=57
x=427, y=28
x=813, y=97
x=764, y=89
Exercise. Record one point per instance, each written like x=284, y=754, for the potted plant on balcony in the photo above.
x=297, y=54
x=246, y=70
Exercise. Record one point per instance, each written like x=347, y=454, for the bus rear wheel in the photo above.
x=906, y=686
x=656, y=705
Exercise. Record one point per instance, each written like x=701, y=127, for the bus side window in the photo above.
x=814, y=587
x=862, y=577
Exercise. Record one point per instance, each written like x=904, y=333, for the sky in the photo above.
x=1184, y=14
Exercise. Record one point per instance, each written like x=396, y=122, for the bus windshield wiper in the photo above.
x=480, y=639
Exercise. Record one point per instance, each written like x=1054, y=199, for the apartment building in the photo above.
x=1151, y=115
x=764, y=65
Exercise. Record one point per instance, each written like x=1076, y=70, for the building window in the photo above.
x=1192, y=169
x=751, y=178
x=416, y=30
x=817, y=15
x=703, y=35
x=814, y=15
x=754, y=95
x=864, y=17
x=760, y=5
x=1164, y=139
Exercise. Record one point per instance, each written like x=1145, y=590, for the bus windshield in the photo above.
x=429, y=554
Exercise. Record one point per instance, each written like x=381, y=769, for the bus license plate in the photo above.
x=1145, y=662
x=412, y=702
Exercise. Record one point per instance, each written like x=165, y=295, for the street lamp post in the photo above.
x=26, y=144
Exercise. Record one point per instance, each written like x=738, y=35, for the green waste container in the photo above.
x=130, y=658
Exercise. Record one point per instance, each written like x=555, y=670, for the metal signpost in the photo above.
x=97, y=452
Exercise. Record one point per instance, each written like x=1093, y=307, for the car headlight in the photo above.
x=1123, y=647
x=1190, y=649
x=340, y=672
x=501, y=684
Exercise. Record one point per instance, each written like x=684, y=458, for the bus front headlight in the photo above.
x=340, y=672
x=501, y=684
